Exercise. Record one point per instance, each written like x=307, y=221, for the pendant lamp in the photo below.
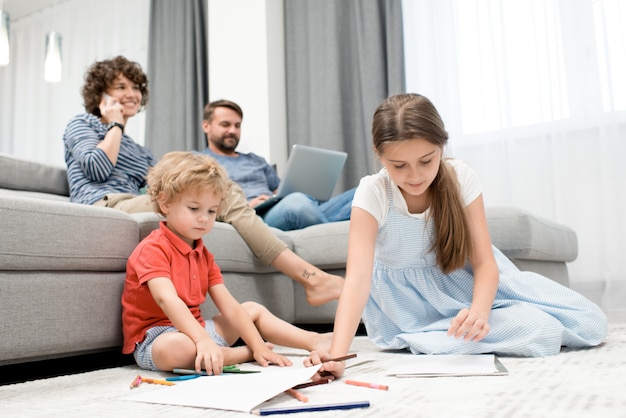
x=53, y=66
x=4, y=38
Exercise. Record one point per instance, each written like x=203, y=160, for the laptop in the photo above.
x=310, y=170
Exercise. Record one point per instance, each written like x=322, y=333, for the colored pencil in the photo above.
x=136, y=382
x=157, y=381
x=225, y=369
x=311, y=408
x=342, y=358
x=297, y=395
x=306, y=385
x=366, y=384
x=184, y=377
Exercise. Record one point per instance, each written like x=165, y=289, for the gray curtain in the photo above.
x=178, y=76
x=343, y=59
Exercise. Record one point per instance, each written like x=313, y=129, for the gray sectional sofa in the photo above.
x=62, y=264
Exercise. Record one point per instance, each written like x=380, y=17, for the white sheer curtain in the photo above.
x=33, y=113
x=533, y=94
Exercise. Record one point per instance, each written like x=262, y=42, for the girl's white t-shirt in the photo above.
x=371, y=194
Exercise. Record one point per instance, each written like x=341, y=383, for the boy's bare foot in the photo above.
x=321, y=287
x=323, y=343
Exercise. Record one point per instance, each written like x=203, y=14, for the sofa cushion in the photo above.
x=42, y=234
x=324, y=245
x=522, y=235
x=224, y=242
x=20, y=174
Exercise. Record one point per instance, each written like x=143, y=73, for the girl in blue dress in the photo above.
x=422, y=273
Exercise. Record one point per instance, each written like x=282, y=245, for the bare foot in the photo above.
x=323, y=343
x=321, y=287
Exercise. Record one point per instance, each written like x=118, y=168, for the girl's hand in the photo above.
x=329, y=368
x=266, y=356
x=210, y=355
x=469, y=325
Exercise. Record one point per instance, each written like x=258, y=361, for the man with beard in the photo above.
x=258, y=179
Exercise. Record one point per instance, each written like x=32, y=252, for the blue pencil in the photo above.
x=310, y=408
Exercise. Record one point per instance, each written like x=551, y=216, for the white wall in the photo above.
x=34, y=113
x=246, y=65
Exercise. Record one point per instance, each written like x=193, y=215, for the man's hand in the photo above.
x=258, y=200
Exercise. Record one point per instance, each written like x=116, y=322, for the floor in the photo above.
x=20, y=373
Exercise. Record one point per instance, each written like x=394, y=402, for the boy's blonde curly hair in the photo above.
x=178, y=171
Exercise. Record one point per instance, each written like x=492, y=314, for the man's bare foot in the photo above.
x=321, y=287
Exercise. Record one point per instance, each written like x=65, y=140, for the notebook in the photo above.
x=310, y=170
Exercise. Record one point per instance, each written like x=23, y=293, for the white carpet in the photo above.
x=585, y=383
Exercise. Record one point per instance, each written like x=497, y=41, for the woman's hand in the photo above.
x=469, y=325
x=111, y=110
x=210, y=355
x=329, y=368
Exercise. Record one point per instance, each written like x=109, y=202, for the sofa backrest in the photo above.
x=20, y=174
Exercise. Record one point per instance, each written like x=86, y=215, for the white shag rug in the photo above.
x=575, y=383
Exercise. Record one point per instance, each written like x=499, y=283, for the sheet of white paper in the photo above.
x=448, y=365
x=234, y=392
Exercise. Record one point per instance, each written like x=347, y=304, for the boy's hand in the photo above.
x=265, y=356
x=210, y=355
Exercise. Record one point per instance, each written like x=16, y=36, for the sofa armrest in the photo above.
x=231, y=252
x=522, y=235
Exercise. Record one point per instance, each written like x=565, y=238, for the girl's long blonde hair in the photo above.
x=408, y=116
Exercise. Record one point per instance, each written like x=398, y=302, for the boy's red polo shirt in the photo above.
x=164, y=254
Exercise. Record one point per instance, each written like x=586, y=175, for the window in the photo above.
x=506, y=64
x=610, y=30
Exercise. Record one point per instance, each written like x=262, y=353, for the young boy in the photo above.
x=170, y=272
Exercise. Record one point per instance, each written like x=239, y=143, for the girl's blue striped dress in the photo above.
x=412, y=302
